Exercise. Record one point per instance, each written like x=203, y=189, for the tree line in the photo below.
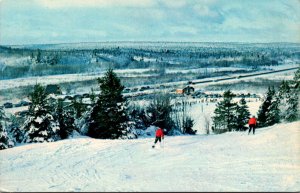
x=36, y=62
x=110, y=116
x=278, y=105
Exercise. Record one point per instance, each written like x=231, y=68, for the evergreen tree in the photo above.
x=108, y=117
x=273, y=113
x=5, y=140
x=2, y=114
x=293, y=108
x=296, y=79
x=242, y=115
x=14, y=129
x=66, y=120
x=284, y=95
x=293, y=101
x=265, y=107
x=40, y=126
x=284, y=88
x=224, y=119
x=188, y=126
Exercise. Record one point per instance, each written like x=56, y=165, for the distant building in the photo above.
x=187, y=90
x=53, y=89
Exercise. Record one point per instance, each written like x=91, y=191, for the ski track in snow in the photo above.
x=235, y=161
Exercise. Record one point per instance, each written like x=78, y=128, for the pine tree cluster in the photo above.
x=47, y=120
x=281, y=105
x=230, y=115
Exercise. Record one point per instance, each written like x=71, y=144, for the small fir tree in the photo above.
x=292, y=113
x=40, y=125
x=265, y=107
x=273, y=113
x=66, y=120
x=5, y=140
x=296, y=79
x=242, y=115
x=224, y=119
x=284, y=88
x=2, y=114
x=284, y=95
x=108, y=117
x=14, y=129
x=188, y=126
x=293, y=101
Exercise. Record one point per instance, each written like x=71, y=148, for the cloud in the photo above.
x=37, y=21
x=205, y=10
x=175, y=3
x=56, y=4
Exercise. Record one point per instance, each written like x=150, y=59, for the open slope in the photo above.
x=267, y=161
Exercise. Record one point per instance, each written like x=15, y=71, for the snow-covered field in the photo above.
x=267, y=161
x=233, y=69
x=63, y=78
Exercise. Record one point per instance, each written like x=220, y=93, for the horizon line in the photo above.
x=148, y=41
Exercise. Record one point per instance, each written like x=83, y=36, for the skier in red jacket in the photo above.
x=252, y=124
x=159, y=135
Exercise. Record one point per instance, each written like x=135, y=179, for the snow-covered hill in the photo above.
x=267, y=161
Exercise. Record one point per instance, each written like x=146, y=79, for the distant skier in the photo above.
x=159, y=135
x=252, y=124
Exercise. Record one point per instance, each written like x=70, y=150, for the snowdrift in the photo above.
x=267, y=161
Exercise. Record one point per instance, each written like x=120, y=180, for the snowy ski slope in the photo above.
x=267, y=161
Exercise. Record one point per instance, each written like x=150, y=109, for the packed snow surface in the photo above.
x=235, y=161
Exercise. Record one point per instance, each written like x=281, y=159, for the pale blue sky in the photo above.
x=57, y=21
